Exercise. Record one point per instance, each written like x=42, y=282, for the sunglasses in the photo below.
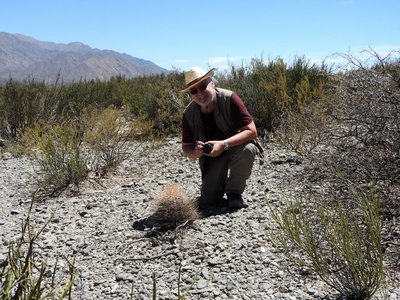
x=202, y=87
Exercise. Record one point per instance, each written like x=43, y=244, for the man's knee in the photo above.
x=248, y=153
x=250, y=150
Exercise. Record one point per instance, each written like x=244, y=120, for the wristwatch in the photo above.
x=226, y=145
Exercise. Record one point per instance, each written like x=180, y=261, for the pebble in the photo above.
x=201, y=284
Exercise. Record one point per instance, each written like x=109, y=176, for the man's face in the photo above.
x=202, y=93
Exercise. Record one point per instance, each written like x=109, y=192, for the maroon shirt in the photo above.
x=240, y=117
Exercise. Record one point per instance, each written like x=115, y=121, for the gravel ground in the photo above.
x=227, y=255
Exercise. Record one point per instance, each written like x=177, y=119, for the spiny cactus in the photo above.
x=173, y=208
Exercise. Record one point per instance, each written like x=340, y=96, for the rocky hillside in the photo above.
x=23, y=57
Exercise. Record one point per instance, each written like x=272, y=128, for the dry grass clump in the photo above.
x=173, y=208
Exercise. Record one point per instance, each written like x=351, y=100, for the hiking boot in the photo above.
x=202, y=205
x=235, y=201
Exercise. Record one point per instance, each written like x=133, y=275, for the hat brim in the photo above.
x=191, y=84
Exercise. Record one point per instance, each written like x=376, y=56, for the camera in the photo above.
x=207, y=148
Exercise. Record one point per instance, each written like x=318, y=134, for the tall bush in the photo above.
x=303, y=131
x=20, y=106
x=157, y=99
x=273, y=89
x=365, y=136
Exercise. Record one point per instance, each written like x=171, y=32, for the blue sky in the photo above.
x=180, y=34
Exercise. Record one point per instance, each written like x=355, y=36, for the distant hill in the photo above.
x=23, y=57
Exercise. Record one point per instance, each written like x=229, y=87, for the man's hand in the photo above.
x=193, y=151
x=218, y=148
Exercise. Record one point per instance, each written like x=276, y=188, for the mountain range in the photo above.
x=23, y=57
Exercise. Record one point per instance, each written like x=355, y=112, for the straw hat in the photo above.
x=195, y=75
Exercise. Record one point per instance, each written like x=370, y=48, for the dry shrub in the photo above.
x=365, y=146
x=303, y=131
x=106, y=136
x=56, y=148
x=173, y=208
x=143, y=129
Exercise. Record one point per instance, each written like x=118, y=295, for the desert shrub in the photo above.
x=22, y=104
x=77, y=97
x=302, y=131
x=274, y=89
x=305, y=121
x=132, y=93
x=23, y=273
x=362, y=146
x=143, y=129
x=364, y=142
x=262, y=87
x=66, y=152
x=164, y=110
x=156, y=99
x=307, y=83
x=57, y=150
x=369, y=118
x=339, y=240
x=106, y=136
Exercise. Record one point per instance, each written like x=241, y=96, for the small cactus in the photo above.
x=173, y=208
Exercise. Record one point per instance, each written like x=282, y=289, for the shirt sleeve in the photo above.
x=240, y=115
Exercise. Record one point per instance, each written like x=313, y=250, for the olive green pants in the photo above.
x=227, y=173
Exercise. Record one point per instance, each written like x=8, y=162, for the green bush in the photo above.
x=19, y=106
x=339, y=239
x=93, y=94
x=68, y=151
x=22, y=104
x=156, y=99
x=271, y=89
x=262, y=87
x=57, y=150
